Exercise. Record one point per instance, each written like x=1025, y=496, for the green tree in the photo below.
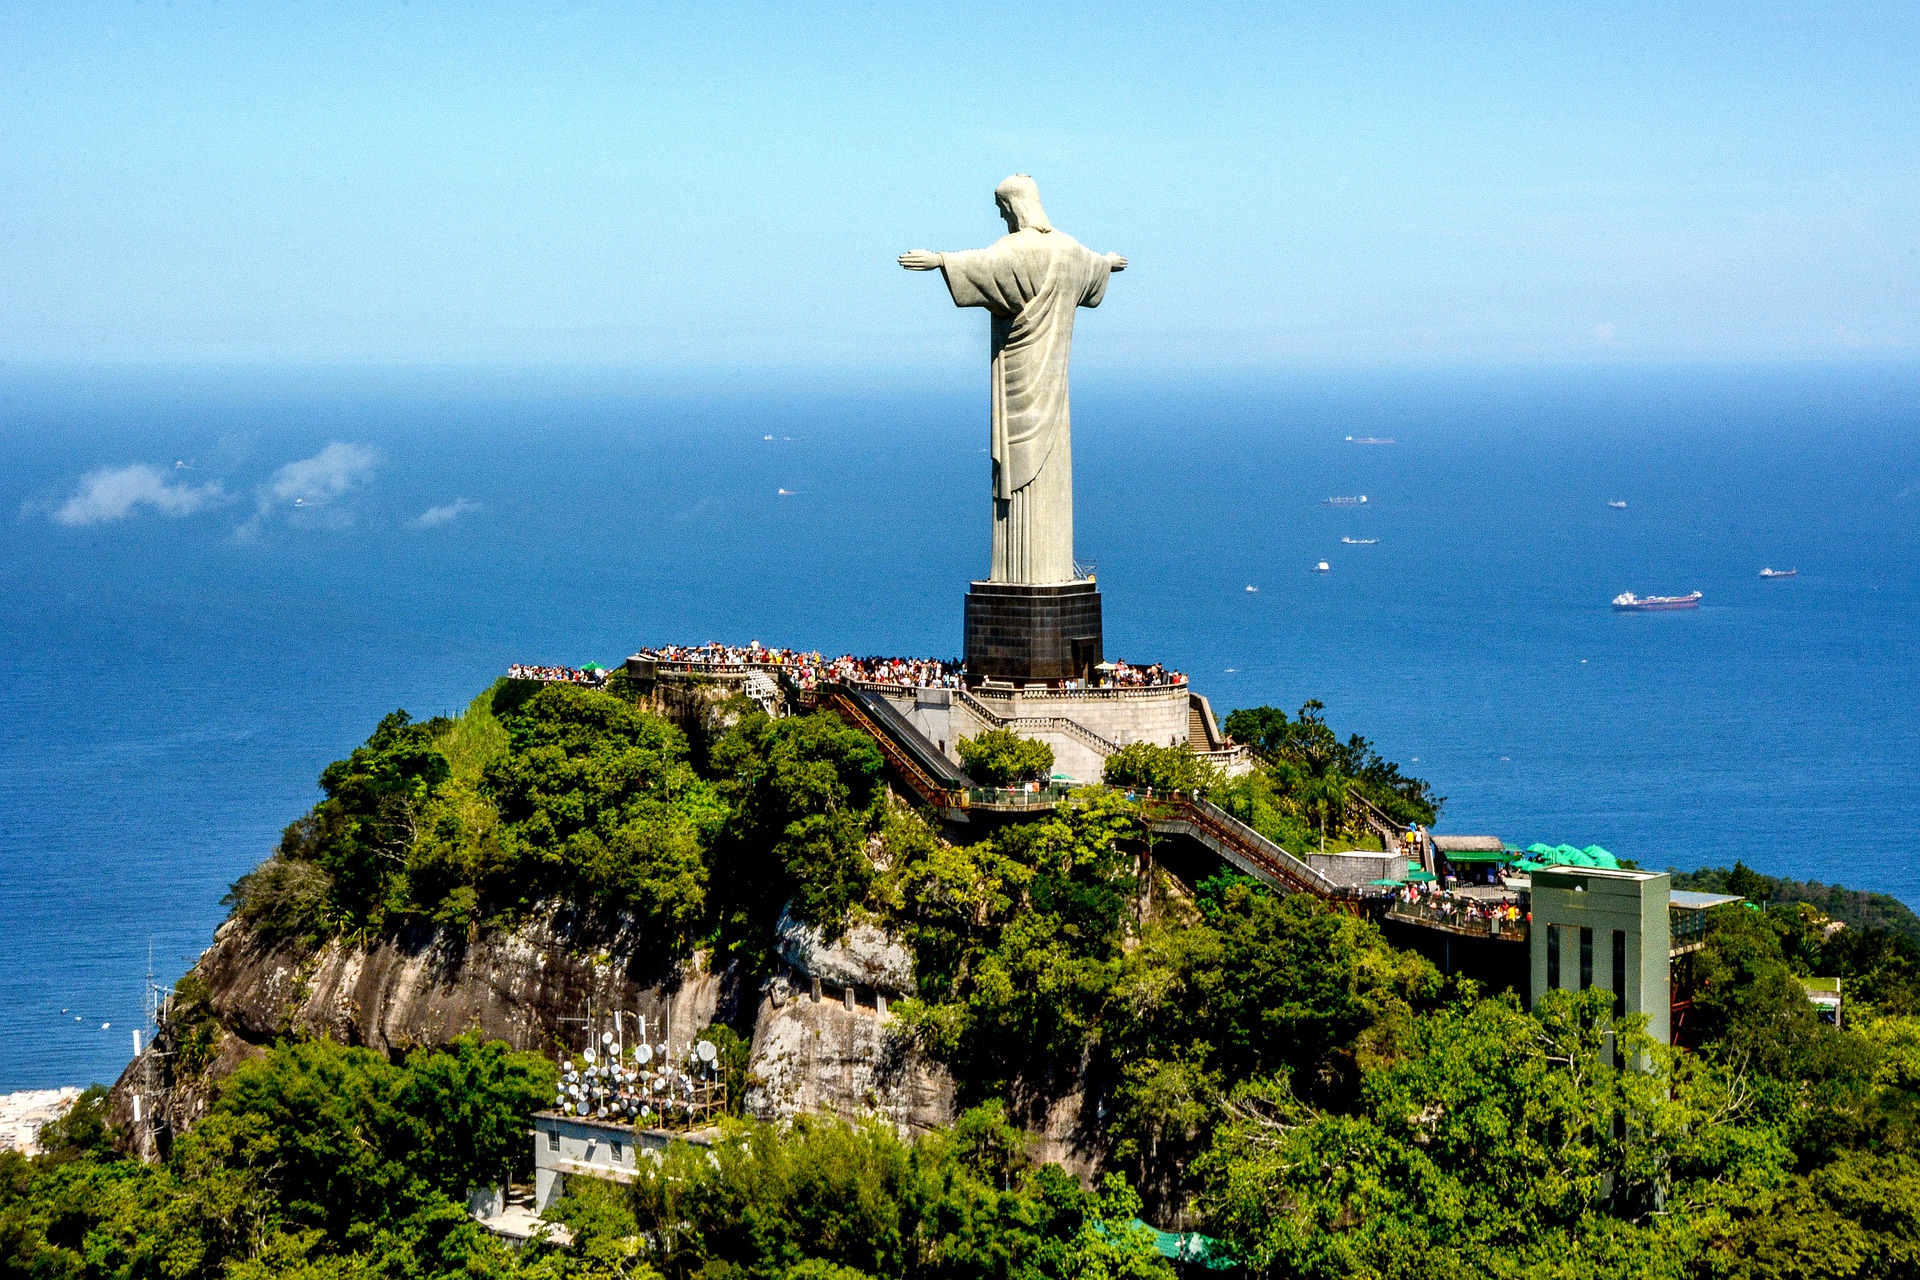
x=1499, y=1142
x=1025, y=937
x=1002, y=758
x=806, y=795
x=359, y=836
x=598, y=799
x=825, y=1198
x=1142, y=764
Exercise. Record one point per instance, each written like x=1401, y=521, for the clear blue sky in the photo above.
x=704, y=185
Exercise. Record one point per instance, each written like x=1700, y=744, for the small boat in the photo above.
x=1252, y=588
x=1779, y=573
x=1360, y=501
x=1617, y=504
x=1359, y=542
x=1323, y=567
x=1370, y=440
x=1627, y=602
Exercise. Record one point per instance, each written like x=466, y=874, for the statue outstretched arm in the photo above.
x=920, y=260
x=1115, y=263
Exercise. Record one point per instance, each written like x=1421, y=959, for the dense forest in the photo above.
x=1318, y=1101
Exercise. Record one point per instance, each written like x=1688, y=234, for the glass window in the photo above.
x=1586, y=958
x=1553, y=957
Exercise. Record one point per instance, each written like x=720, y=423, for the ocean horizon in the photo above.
x=345, y=542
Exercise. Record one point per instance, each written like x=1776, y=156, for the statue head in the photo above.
x=1019, y=201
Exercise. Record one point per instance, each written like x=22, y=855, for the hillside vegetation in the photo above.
x=1268, y=1069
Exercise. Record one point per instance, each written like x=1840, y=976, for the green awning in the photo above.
x=1388, y=883
x=1478, y=855
x=1188, y=1247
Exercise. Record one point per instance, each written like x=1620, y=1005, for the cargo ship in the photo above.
x=1631, y=603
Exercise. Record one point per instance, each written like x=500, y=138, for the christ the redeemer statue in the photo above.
x=1032, y=280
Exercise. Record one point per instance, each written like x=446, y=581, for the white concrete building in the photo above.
x=1605, y=928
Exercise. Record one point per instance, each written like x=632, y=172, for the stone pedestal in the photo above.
x=1023, y=631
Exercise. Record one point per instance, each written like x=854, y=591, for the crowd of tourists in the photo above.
x=808, y=670
x=1436, y=903
x=1123, y=674
x=557, y=675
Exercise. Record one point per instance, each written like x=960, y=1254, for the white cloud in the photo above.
x=302, y=489
x=113, y=493
x=318, y=480
x=434, y=517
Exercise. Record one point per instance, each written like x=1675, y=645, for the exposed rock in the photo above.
x=819, y=1055
x=423, y=987
x=867, y=956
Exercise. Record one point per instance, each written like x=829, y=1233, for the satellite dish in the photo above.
x=580, y=1108
x=646, y=1111
x=644, y=1052
x=606, y=1037
x=589, y=1056
x=706, y=1051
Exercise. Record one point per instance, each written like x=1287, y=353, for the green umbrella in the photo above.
x=1389, y=883
x=1528, y=864
x=1422, y=877
x=593, y=666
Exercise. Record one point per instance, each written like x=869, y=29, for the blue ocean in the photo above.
x=182, y=648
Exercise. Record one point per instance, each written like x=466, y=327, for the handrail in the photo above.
x=909, y=769
x=1459, y=921
x=1391, y=833
x=1072, y=728
x=1209, y=819
x=1101, y=692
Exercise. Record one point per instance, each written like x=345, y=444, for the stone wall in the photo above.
x=1120, y=716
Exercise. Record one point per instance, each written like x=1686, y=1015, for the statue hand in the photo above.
x=920, y=260
x=1116, y=263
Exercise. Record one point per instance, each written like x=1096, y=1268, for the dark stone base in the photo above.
x=1021, y=632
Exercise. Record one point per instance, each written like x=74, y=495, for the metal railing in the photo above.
x=1215, y=827
x=1016, y=797
x=1452, y=914
x=918, y=780
x=1685, y=925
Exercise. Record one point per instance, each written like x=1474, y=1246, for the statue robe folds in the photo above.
x=1031, y=281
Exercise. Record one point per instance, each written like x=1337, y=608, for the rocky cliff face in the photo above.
x=847, y=1056
x=531, y=985
x=528, y=985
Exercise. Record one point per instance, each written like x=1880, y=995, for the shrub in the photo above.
x=283, y=899
x=1142, y=764
x=1001, y=757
